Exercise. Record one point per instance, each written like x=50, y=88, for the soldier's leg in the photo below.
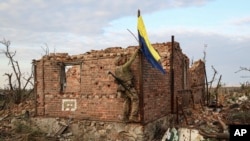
x=134, y=105
x=126, y=109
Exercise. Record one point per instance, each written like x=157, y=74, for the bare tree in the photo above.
x=243, y=69
x=16, y=80
x=215, y=73
x=45, y=49
x=211, y=84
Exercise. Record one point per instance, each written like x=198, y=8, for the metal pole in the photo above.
x=177, y=110
x=141, y=103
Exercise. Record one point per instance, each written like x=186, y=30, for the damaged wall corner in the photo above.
x=197, y=80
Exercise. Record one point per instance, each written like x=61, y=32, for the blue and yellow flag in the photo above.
x=147, y=49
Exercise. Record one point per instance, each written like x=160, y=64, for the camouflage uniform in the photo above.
x=131, y=104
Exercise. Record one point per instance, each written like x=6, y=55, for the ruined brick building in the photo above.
x=79, y=87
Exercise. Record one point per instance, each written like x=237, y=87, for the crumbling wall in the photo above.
x=156, y=86
x=181, y=76
x=197, y=80
x=80, y=87
x=156, y=92
x=88, y=91
x=96, y=97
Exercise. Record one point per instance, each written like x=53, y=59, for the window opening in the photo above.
x=70, y=78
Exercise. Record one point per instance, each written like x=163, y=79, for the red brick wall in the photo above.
x=197, y=80
x=181, y=76
x=96, y=98
x=156, y=93
x=156, y=86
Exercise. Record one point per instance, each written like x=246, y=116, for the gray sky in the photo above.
x=82, y=25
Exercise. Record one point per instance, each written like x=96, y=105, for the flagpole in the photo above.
x=141, y=103
x=172, y=75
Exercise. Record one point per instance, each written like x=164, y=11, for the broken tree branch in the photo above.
x=9, y=80
x=242, y=69
x=28, y=81
x=211, y=83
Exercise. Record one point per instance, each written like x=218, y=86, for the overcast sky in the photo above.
x=78, y=26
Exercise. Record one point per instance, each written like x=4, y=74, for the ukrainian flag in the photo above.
x=147, y=49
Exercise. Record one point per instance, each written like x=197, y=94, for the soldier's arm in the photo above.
x=131, y=60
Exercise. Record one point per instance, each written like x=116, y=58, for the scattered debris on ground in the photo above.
x=196, y=122
x=211, y=121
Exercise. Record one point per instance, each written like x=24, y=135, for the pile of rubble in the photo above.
x=211, y=121
x=197, y=122
x=10, y=129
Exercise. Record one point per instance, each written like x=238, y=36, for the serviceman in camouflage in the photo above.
x=123, y=72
